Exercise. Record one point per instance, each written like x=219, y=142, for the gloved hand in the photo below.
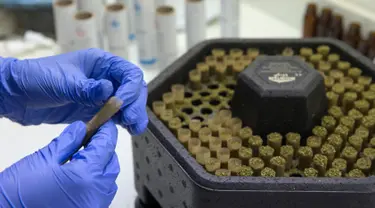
x=88, y=180
x=70, y=87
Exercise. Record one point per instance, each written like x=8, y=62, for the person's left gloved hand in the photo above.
x=71, y=87
x=87, y=181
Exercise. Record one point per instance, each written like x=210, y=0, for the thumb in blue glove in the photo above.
x=88, y=180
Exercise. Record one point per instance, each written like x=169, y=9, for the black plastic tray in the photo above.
x=167, y=176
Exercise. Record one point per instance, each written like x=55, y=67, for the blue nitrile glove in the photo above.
x=88, y=180
x=71, y=87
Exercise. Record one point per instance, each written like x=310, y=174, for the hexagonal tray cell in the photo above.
x=174, y=171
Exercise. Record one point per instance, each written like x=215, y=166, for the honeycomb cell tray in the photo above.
x=169, y=174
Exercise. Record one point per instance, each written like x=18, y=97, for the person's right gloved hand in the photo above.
x=88, y=180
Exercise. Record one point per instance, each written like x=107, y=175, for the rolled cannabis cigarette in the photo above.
x=255, y=142
x=287, y=52
x=354, y=73
x=348, y=101
x=158, y=107
x=266, y=153
x=315, y=59
x=178, y=91
x=245, y=134
x=195, y=78
x=220, y=71
x=372, y=142
x=343, y=66
x=229, y=62
x=204, y=70
x=310, y=172
x=223, y=154
x=336, y=75
x=364, y=164
x=358, y=88
x=363, y=133
x=238, y=67
x=321, y=132
x=204, y=134
x=234, y=144
x=174, y=124
x=324, y=50
x=234, y=165
x=212, y=164
x=372, y=87
x=287, y=153
x=333, y=58
x=116, y=27
x=338, y=89
x=340, y=164
x=211, y=62
x=236, y=53
x=218, y=53
x=257, y=165
x=356, y=115
x=348, y=122
x=343, y=131
x=64, y=11
x=246, y=60
x=294, y=140
x=371, y=111
x=253, y=52
x=166, y=115
x=369, y=123
x=195, y=24
x=225, y=135
x=245, y=171
x=222, y=172
x=166, y=34
x=369, y=96
x=329, y=82
x=320, y=163
x=193, y=145
x=203, y=154
x=333, y=98
x=356, y=142
x=333, y=173
x=369, y=152
x=329, y=151
x=215, y=144
x=267, y=172
x=195, y=125
x=314, y=143
x=278, y=164
x=336, y=112
x=347, y=82
x=245, y=153
x=235, y=124
x=329, y=122
x=225, y=115
x=350, y=155
x=365, y=81
x=306, y=52
x=336, y=141
x=168, y=99
x=324, y=67
x=214, y=124
x=184, y=135
x=355, y=173
x=275, y=140
x=305, y=156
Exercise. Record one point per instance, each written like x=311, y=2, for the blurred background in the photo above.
x=153, y=34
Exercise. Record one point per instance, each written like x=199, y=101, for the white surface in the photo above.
x=16, y=141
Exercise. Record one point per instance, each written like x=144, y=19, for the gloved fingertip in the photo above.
x=137, y=129
x=100, y=91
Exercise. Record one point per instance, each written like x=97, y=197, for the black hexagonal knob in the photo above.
x=279, y=94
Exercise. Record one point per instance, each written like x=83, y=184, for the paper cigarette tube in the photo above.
x=257, y=165
x=321, y=132
x=364, y=164
x=340, y=164
x=86, y=35
x=336, y=141
x=117, y=28
x=329, y=151
x=343, y=131
x=287, y=153
x=193, y=145
x=268, y=172
x=245, y=171
x=212, y=164
x=320, y=163
x=64, y=11
x=184, y=135
x=278, y=164
x=146, y=32
x=225, y=135
x=195, y=22
x=275, y=140
x=204, y=135
x=266, y=153
x=255, y=142
x=229, y=20
x=310, y=172
x=363, y=133
x=166, y=35
x=305, y=156
x=333, y=173
x=234, y=165
x=95, y=7
x=223, y=154
x=202, y=154
x=356, y=115
x=356, y=173
x=130, y=5
x=356, y=142
x=350, y=155
x=315, y=143
x=195, y=125
x=222, y=172
x=329, y=122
